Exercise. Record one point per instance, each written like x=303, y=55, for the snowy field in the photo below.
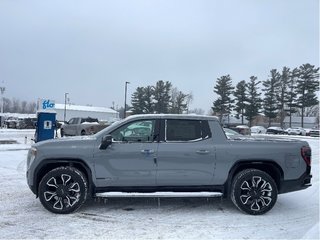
x=295, y=215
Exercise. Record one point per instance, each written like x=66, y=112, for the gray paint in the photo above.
x=194, y=163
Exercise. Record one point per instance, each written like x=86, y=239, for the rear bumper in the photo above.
x=295, y=185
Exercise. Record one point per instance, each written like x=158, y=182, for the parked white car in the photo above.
x=315, y=132
x=258, y=129
x=297, y=131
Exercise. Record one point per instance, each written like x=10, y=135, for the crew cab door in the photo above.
x=71, y=128
x=130, y=159
x=186, y=156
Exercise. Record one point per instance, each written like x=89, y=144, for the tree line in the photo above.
x=285, y=92
x=160, y=98
x=16, y=106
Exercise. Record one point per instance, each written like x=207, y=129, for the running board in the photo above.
x=160, y=194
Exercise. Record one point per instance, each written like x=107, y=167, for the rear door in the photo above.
x=186, y=156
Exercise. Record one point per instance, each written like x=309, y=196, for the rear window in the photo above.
x=187, y=130
x=90, y=120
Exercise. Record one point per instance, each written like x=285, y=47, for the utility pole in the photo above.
x=125, y=100
x=2, y=89
x=65, y=106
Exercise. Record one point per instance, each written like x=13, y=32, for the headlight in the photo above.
x=31, y=155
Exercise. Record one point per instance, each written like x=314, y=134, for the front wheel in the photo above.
x=254, y=191
x=63, y=190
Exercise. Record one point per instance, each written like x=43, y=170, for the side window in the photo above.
x=183, y=130
x=72, y=121
x=206, y=132
x=139, y=131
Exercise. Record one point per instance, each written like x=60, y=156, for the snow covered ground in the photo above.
x=295, y=215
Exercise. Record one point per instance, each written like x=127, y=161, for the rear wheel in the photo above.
x=254, y=191
x=63, y=190
x=83, y=132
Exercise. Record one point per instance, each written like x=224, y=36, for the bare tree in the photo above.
x=24, y=107
x=198, y=111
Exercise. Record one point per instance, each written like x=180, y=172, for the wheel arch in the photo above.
x=84, y=130
x=268, y=166
x=49, y=164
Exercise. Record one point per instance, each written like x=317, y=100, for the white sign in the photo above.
x=47, y=125
x=46, y=104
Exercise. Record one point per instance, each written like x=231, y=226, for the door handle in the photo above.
x=147, y=151
x=202, y=151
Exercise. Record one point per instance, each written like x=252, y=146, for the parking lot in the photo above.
x=295, y=215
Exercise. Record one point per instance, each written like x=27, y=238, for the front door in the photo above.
x=130, y=159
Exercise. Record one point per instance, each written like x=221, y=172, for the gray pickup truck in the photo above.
x=153, y=153
x=81, y=126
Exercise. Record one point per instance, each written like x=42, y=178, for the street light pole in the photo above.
x=2, y=89
x=125, y=100
x=65, y=106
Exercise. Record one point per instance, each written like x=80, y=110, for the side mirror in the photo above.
x=105, y=142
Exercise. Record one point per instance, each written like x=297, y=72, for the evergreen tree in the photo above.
x=223, y=88
x=137, y=101
x=282, y=90
x=307, y=86
x=162, y=96
x=253, y=99
x=270, y=102
x=291, y=96
x=240, y=98
x=148, y=99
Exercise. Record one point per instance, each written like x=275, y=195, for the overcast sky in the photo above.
x=90, y=48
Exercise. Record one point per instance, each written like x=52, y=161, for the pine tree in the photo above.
x=162, y=96
x=270, y=102
x=307, y=86
x=253, y=99
x=291, y=96
x=223, y=88
x=137, y=101
x=240, y=98
x=282, y=90
x=148, y=99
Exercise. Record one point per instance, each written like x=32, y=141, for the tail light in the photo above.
x=306, y=155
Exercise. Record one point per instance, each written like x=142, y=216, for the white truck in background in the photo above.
x=82, y=126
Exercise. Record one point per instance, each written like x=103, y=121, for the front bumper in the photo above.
x=31, y=186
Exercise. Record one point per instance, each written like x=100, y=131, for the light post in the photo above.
x=2, y=89
x=125, y=100
x=65, y=106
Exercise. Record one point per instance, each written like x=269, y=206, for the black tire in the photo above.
x=83, y=132
x=63, y=190
x=61, y=132
x=254, y=191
